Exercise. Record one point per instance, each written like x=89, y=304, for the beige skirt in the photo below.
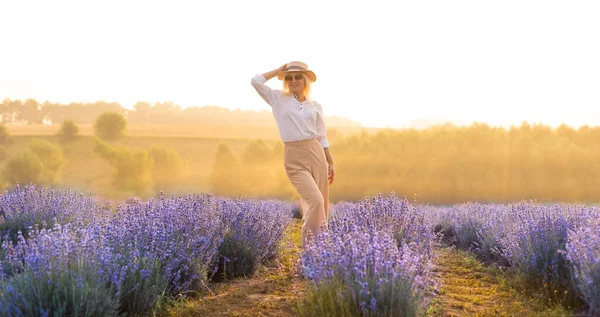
x=306, y=167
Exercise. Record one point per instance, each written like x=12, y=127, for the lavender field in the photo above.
x=382, y=251
x=68, y=254
x=554, y=248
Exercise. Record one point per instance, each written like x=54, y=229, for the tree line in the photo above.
x=31, y=111
x=137, y=171
x=441, y=165
x=257, y=172
x=449, y=164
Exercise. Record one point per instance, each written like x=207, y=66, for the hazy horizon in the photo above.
x=332, y=120
x=461, y=61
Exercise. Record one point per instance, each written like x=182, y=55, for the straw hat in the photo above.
x=297, y=67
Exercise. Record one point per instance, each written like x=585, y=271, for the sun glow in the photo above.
x=500, y=63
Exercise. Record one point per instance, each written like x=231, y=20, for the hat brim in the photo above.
x=309, y=73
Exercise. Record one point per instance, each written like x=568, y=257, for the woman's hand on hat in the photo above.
x=273, y=73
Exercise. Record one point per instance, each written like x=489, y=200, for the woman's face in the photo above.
x=296, y=82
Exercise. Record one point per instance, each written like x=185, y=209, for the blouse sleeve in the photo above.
x=321, y=129
x=269, y=95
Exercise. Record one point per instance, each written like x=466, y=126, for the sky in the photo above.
x=382, y=63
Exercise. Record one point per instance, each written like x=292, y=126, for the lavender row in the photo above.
x=126, y=261
x=253, y=230
x=380, y=251
x=27, y=206
x=544, y=242
x=583, y=253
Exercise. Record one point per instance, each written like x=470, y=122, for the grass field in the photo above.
x=164, y=130
x=471, y=289
x=87, y=171
x=197, y=145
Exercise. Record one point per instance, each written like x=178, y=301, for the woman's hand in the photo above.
x=273, y=73
x=282, y=68
x=331, y=173
x=330, y=169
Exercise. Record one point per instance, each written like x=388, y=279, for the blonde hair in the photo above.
x=306, y=91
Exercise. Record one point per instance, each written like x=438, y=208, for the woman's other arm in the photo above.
x=322, y=137
x=330, y=169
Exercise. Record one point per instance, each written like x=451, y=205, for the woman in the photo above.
x=307, y=159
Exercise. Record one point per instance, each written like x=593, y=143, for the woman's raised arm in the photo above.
x=258, y=82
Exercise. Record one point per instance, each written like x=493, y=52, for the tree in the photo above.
x=132, y=167
x=257, y=152
x=280, y=186
x=258, y=174
x=4, y=136
x=142, y=113
x=52, y=159
x=278, y=151
x=3, y=153
x=68, y=131
x=168, y=169
x=110, y=125
x=41, y=163
x=225, y=177
x=30, y=111
x=24, y=167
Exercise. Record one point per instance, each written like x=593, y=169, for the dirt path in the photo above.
x=468, y=288
x=273, y=291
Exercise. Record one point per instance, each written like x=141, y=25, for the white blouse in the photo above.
x=296, y=120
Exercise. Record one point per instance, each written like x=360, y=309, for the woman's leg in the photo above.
x=306, y=168
x=298, y=162
x=319, y=169
x=314, y=217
